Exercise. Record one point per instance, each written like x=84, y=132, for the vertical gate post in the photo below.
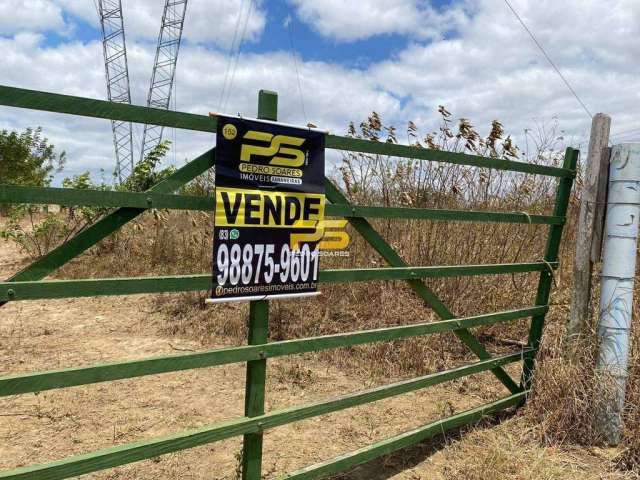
x=254, y=390
x=563, y=194
x=618, y=274
x=258, y=334
x=586, y=235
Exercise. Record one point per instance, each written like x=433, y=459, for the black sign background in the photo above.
x=228, y=156
x=232, y=173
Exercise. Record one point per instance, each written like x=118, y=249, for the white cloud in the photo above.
x=215, y=21
x=489, y=70
x=492, y=69
x=349, y=21
x=77, y=69
x=205, y=21
x=86, y=10
x=33, y=15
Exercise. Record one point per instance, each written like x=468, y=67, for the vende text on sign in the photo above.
x=259, y=208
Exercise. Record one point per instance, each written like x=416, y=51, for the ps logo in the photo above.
x=329, y=233
x=278, y=145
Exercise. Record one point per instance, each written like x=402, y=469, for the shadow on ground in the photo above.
x=395, y=463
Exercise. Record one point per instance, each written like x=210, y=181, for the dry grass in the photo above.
x=511, y=451
x=560, y=411
x=539, y=445
x=567, y=391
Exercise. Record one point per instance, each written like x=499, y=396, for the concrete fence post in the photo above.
x=618, y=273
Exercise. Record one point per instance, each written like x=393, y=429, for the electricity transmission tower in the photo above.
x=164, y=68
x=117, y=73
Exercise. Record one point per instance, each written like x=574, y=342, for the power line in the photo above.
x=230, y=54
x=232, y=48
x=288, y=21
x=625, y=132
x=535, y=40
x=235, y=65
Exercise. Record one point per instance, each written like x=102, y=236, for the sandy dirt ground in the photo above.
x=36, y=428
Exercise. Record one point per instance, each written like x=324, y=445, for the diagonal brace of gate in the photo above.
x=113, y=221
x=255, y=388
x=364, y=228
x=110, y=223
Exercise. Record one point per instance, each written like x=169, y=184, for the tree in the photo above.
x=144, y=174
x=28, y=158
x=38, y=232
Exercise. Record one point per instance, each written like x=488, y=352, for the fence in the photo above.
x=28, y=285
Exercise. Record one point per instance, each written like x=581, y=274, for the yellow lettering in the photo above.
x=298, y=155
x=257, y=208
x=247, y=150
x=330, y=233
x=280, y=144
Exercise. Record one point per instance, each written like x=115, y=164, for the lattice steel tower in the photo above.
x=164, y=68
x=117, y=72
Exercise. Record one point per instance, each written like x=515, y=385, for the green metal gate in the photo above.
x=28, y=285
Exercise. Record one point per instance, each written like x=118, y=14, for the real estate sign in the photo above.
x=269, y=210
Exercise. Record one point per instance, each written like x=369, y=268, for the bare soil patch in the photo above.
x=37, y=428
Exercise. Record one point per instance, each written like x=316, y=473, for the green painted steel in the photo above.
x=390, y=445
x=133, y=452
x=41, y=381
x=347, y=211
x=385, y=250
x=268, y=105
x=43, y=289
x=106, y=226
x=88, y=107
x=74, y=197
x=405, y=151
x=27, y=285
x=563, y=195
x=53, y=102
x=256, y=377
x=255, y=389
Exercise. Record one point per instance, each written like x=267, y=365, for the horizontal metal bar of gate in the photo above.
x=406, y=439
x=42, y=289
x=73, y=197
x=133, y=452
x=349, y=211
x=41, y=381
x=406, y=151
x=89, y=107
x=53, y=102
x=98, y=198
x=98, y=231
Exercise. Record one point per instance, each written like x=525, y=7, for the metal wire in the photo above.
x=295, y=64
x=230, y=55
x=546, y=55
x=237, y=57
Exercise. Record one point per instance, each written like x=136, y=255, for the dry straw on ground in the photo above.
x=560, y=410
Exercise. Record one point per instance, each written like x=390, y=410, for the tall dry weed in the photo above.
x=560, y=409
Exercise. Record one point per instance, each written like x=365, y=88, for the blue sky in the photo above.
x=401, y=58
x=282, y=30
